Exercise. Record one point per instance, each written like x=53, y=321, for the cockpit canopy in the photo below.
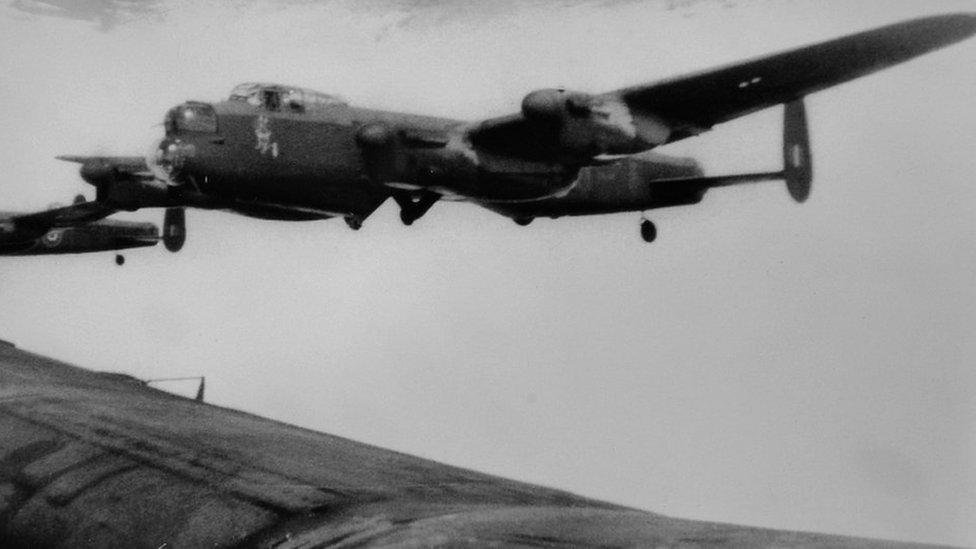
x=279, y=98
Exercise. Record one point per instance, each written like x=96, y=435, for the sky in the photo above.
x=764, y=363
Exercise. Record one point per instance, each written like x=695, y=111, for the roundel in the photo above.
x=52, y=238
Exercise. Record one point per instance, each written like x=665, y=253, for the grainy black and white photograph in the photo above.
x=433, y=273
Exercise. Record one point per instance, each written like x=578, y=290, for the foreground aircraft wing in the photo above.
x=93, y=459
x=694, y=103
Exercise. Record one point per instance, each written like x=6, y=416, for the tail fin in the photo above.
x=797, y=158
x=797, y=162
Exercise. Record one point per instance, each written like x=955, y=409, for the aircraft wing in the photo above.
x=711, y=97
x=133, y=167
x=694, y=103
x=67, y=216
x=102, y=460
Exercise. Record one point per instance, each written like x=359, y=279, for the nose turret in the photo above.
x=184, y=124
x=167, y=159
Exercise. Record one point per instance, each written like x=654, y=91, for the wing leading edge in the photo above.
x=694, y=103
x=66, y=216
x=711, y=97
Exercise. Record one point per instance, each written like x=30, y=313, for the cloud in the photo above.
x=107, y=13
x=407, y=14
x=427, y=14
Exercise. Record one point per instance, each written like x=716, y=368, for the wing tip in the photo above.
x=952, y=27
x=72, y=158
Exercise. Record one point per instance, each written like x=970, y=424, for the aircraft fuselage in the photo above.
x=281, y=152
x=329, y=159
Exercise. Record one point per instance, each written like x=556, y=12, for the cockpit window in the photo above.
x=192, y=117
x=271, y=99
x=294, y=100
x=278, y=98
x=248, y=93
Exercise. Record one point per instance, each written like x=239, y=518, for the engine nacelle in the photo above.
x=413, y=161
x=98, y=172
x=121, y=183
x=582, y=124
x=554, y=105
x=130, y=194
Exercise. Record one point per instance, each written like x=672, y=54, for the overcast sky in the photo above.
x=804, y=367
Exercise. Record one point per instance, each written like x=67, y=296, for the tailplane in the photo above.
x=797, y=161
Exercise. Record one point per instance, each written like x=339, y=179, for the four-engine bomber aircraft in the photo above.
x=281, y=152
x=70, y=230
